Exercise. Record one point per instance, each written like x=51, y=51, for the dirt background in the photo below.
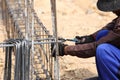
x=74, y=17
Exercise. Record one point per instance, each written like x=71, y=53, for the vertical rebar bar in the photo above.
x=54, y=25
x=32, y=3
x=26, y=19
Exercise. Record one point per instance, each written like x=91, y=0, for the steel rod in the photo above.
x=54, y=25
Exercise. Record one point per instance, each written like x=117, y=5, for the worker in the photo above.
x=104, y=44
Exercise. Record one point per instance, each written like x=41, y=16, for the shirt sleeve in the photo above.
x=89, y=49
x=109, y=26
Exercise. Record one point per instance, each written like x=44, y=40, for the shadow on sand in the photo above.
x=79, y=74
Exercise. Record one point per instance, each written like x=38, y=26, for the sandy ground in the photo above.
x=74, y=17
x=2, y=38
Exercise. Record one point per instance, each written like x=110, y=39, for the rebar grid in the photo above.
x=29, y=42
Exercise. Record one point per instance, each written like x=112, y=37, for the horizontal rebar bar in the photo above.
x=35, y=43
x=6, y=45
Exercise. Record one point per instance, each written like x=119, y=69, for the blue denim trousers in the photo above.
x=107, y=59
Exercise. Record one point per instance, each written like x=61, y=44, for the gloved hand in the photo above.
x=61, y=47
x=84, y=39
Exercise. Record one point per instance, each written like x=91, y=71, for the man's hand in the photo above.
x=61, y=47
x=84, y=39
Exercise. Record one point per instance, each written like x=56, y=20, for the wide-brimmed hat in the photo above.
x=108, y=5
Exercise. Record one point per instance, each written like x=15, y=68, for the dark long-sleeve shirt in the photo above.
x=89, y=49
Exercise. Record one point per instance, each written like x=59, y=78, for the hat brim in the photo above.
x=108, y=6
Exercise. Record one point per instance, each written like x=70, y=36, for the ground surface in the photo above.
x=74, y=17
x=2, y=38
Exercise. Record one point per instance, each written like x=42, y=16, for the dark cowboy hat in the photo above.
x=108, y=5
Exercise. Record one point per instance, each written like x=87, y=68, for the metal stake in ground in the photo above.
x=54, y=25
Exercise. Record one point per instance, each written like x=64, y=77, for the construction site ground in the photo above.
x=74, y=17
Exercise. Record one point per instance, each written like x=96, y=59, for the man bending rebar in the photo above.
x=104, y=44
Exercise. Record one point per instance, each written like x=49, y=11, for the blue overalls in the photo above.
x=107, y=59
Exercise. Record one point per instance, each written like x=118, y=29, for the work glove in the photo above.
x=84, y=39
x=61, y=47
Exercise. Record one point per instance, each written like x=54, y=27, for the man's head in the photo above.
x=108, y=5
